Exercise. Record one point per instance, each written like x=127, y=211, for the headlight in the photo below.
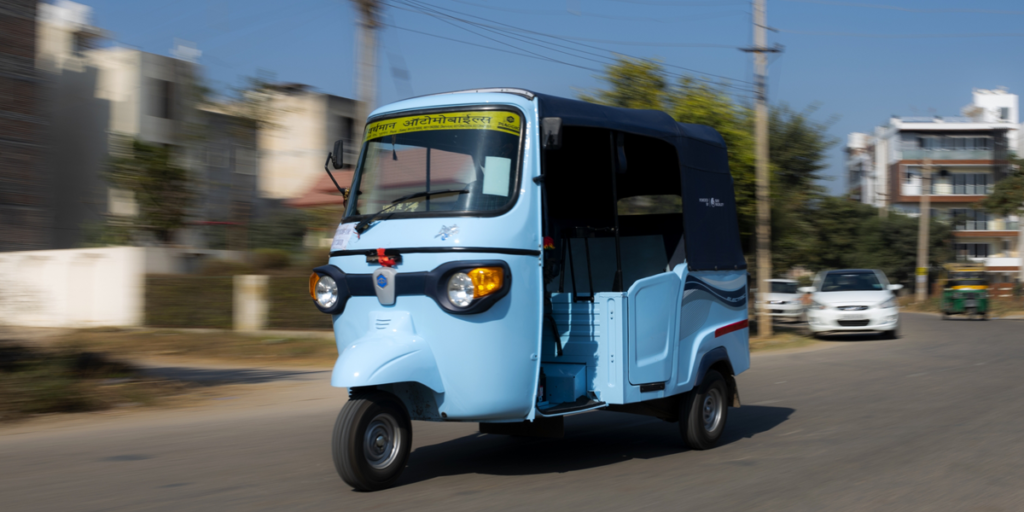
x=324, y=290
x=465, y=287
x=891, y=303
x=460, y=289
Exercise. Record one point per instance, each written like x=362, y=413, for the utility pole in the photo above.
x=763, y=187
x=922, y=232
x=366, y=87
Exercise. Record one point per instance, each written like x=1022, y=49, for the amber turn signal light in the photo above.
x=314, y=278
x=486, y=280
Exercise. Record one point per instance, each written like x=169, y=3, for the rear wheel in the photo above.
x=371, y=441
x=704, y=412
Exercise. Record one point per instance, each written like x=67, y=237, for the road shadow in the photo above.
x=222, y=376
x=851, y=337
x=591, y=440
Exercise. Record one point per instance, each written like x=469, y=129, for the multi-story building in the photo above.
x=25, y=219
x=302, y=128
x=968, y=154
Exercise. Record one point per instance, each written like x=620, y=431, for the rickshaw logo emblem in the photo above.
x=447, y=232
x=382, y=281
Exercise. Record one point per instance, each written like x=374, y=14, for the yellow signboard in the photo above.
x=506, y=122
x=922, y=271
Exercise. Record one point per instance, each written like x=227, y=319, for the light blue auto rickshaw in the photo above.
x=510, y=258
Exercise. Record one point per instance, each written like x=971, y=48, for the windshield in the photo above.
x=783, y=287
x=850, y=282
x=453, y=162
x=968, y=282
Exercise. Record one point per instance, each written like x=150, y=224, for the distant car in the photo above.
x=853, y=300
x=783, y=299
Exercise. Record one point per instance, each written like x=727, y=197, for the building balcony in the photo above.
x=948, y=154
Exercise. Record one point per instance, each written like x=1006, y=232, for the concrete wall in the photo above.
x=85, y=287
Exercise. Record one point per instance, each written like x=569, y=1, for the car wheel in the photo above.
x=371, y=441
x=704, y=412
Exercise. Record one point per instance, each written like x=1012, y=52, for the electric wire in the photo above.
x=535, y=12
x=437, y=13
x=906, y=9
x=493, y=29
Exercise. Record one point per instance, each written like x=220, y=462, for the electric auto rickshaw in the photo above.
x=510, y=258
x=965, y=292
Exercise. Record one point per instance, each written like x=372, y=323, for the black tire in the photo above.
x=704, y=412
x=893, y=334
x=371, y=441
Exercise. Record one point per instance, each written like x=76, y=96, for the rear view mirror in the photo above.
x=806, y=289
x=895, y=287
x=551, y=133
x=338, y=155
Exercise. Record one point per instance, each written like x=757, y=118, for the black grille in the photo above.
x=852, y=308
x=853, y=323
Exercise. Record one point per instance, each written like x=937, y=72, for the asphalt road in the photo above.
x=931, y=421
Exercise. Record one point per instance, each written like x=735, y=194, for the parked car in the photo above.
x=853, y=300
x=783, y=299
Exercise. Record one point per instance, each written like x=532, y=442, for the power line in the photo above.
x=605, y=61
x=430, y=10
x=900, y=36
x=502, y=50
x=536, y=12
x=905, y=9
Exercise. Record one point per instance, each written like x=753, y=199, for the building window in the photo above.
x=161, y=100
x=969, y=220
x=245, y=161
x=1006, y=247
x=912, y=176
x=965, y=251
x=1004, y=113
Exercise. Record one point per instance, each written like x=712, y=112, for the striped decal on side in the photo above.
x=721, y=331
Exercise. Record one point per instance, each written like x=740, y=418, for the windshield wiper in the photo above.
x=428, y=194
x=365, y=223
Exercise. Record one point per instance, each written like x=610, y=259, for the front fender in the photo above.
x=387, y=359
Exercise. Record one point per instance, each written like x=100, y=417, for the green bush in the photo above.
x=189, y=301
x=221, y=268
x=291, y=306
x=271, y=259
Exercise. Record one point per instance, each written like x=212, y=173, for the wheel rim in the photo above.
x=381, y=441
x=712, y=409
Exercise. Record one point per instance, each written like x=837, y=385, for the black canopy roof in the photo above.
x=710, y=226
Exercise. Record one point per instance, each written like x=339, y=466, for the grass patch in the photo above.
x=66, y=378
x=780, y=341
x=225, y=347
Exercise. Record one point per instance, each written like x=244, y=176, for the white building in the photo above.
x=968, y=155
x=303, y=127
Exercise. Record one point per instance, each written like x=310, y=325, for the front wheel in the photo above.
x=371, y=441
x=704, y=411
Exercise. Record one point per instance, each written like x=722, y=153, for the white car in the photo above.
x=783, y=299
x=853, y=300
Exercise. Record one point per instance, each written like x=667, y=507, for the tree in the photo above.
x=797, y=144
x=160, y=188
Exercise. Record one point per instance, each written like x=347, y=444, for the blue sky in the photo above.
x=857, y=62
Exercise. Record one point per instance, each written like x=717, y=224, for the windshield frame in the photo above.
x=518, y=179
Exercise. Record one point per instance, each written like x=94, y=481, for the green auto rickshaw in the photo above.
x=965, y=293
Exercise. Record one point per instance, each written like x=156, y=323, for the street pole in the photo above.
x=763, y=190
x=922, y=232
x=367, y=79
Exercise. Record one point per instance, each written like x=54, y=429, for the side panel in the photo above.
x=711, y=300
x=652, y=316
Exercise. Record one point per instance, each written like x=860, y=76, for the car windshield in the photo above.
x=783, y=287
x=850, y=282
x=457, y=162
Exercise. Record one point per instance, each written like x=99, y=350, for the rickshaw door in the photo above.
x=653, y=307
